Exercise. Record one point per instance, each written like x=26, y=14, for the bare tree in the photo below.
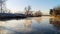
x=27, y=10
x=37, y=13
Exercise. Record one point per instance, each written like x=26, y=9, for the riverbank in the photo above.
x=10, y=15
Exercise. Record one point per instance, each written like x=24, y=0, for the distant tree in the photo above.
x=51, y=11
x=55, y=11
x=57, y=8
x=27, y=10
x=38, y=13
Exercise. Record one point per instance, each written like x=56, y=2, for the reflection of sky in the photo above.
x=16, y=26
x=43, y=5
x=28, y=25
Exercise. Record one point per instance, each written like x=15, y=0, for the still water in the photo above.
x=34, y=25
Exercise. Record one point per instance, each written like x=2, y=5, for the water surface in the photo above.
x=32, y=25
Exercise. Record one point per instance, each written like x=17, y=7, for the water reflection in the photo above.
x=56, y=23
x=27, y=23
x=37, y=20
x=36, y=25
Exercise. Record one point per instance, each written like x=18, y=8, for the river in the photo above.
x=31, y=25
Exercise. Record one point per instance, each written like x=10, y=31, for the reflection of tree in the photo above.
x=55, y=23
x=2, y=23
x=27, y=23
x=37, y=19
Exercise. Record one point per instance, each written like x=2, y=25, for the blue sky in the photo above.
x=43, y=5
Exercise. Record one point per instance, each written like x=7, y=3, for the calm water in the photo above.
x=35, y=25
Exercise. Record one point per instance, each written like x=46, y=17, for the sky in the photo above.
x=43, y=5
